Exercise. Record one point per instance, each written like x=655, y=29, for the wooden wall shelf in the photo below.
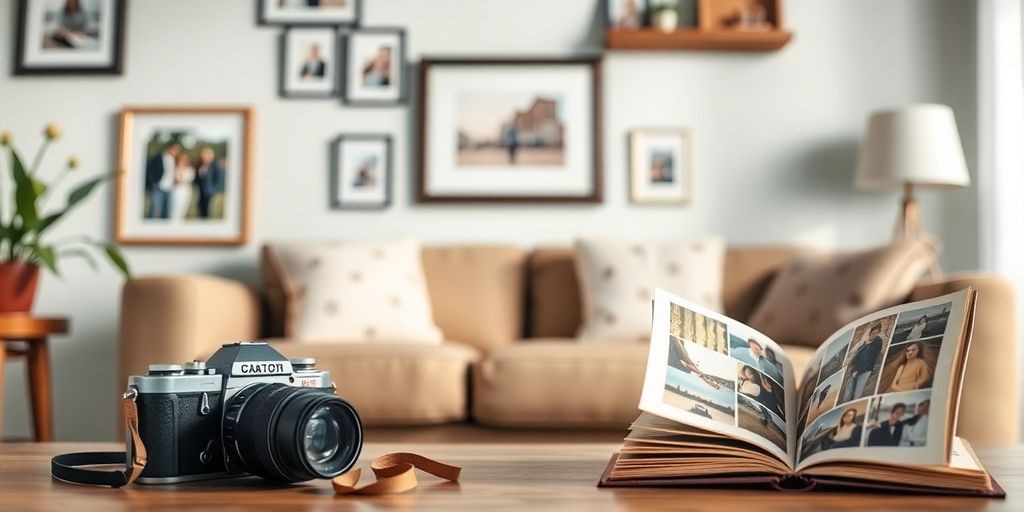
x=696, y=39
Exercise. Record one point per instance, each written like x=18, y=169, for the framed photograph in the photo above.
x=309, y=12
x=510, y=130
x=374, y=67
x=626, y=14
x=661, y=165
x=69, y=37
x=361, y=172
x=309, y=63
x=185, y=176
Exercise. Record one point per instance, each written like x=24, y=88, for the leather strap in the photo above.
x=395, y=472
x=67, y=466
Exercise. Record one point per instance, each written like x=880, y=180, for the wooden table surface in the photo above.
x=526, y=477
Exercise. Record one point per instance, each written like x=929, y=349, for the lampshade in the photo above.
x=918, y=144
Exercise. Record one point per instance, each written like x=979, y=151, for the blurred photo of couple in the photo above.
x=184, y=184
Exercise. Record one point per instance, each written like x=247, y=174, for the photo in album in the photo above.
x=910, y=365
x=864, y=358
x=699, y=329
x=701, y=382
x=755, y=417
x=757, y=354
x=922, y=323
x=899, y=419
x=839, y=428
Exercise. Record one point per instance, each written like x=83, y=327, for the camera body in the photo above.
x=202, y=421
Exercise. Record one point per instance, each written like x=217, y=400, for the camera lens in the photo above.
x=292, y=434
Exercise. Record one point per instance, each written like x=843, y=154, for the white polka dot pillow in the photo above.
x=354, y=291
x=617, y=280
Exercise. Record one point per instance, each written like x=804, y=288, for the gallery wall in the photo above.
x=775, y=135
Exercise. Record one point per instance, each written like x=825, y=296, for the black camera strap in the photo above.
x=68, y=466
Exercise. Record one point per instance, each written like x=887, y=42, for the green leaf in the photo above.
x=114, y=253
x=39, y=187
x=24, y=194
x=45, y=254
x=76, y=196
x=80, y=253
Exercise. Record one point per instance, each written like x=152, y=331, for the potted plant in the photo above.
x=665, y=15
x=25, y=220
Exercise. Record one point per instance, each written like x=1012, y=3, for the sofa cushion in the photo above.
x=560, y=383
x=354, y=291
x=554, y=297
x=816, y=294
x=394, y=383
x=617, y=280
x=476, y=292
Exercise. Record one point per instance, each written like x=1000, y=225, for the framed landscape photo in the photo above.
x=185, y=176
x=309, y=63
x=661, y=165
x=309, y=12
x=510, y=131
x=69, y=37
x=361, y=172
x=374, y=67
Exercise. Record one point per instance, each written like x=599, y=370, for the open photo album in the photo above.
x=875, y=409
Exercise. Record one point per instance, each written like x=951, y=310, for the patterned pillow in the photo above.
x=354, y=291
x=617, y=280
x=816, y=294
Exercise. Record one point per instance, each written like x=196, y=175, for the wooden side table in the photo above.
x=35, y=333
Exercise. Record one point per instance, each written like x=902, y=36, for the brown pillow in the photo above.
x=816, y=294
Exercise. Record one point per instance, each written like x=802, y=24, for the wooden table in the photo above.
x=523, y=477
x=35, y=332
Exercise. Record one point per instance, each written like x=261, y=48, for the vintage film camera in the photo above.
x=247, y=410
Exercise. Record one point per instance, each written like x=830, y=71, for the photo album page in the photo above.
x=881, y=388
x=710, y=372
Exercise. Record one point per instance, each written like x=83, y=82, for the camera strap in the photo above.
x=395, y=472
x=68, y=466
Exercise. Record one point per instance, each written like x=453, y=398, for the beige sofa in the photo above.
x=511, y=360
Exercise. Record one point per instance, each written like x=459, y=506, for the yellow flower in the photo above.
x=52, y=131
x=72, y=162
x=5, y=138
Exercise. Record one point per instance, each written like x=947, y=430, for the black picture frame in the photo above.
x=116, y=67
x=596, y=194
x=282, y=61
x=344, y=58
x=336, y=201
x=261, y=18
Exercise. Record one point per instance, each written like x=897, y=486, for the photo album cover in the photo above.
x=875, y=410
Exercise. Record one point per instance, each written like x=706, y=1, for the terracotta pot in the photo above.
x=17, y=286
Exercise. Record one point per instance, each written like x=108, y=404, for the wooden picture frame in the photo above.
x=286, y=68
x=667, y=152
x=236, y=179
x=589, y=128
x=24, y=67
x=263, y=8
x=339, y=200
x=347, y=60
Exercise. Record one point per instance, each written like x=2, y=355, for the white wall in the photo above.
x=776, y=139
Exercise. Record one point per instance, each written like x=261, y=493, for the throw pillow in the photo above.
x=617, y=280
x=354, y=291
x=815, y=294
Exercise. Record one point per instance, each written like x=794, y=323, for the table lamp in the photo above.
x=910, y=146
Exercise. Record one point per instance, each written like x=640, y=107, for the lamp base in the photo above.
x=909, y=225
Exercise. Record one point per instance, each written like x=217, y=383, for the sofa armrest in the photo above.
x=989, y=407
x=172, y=319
